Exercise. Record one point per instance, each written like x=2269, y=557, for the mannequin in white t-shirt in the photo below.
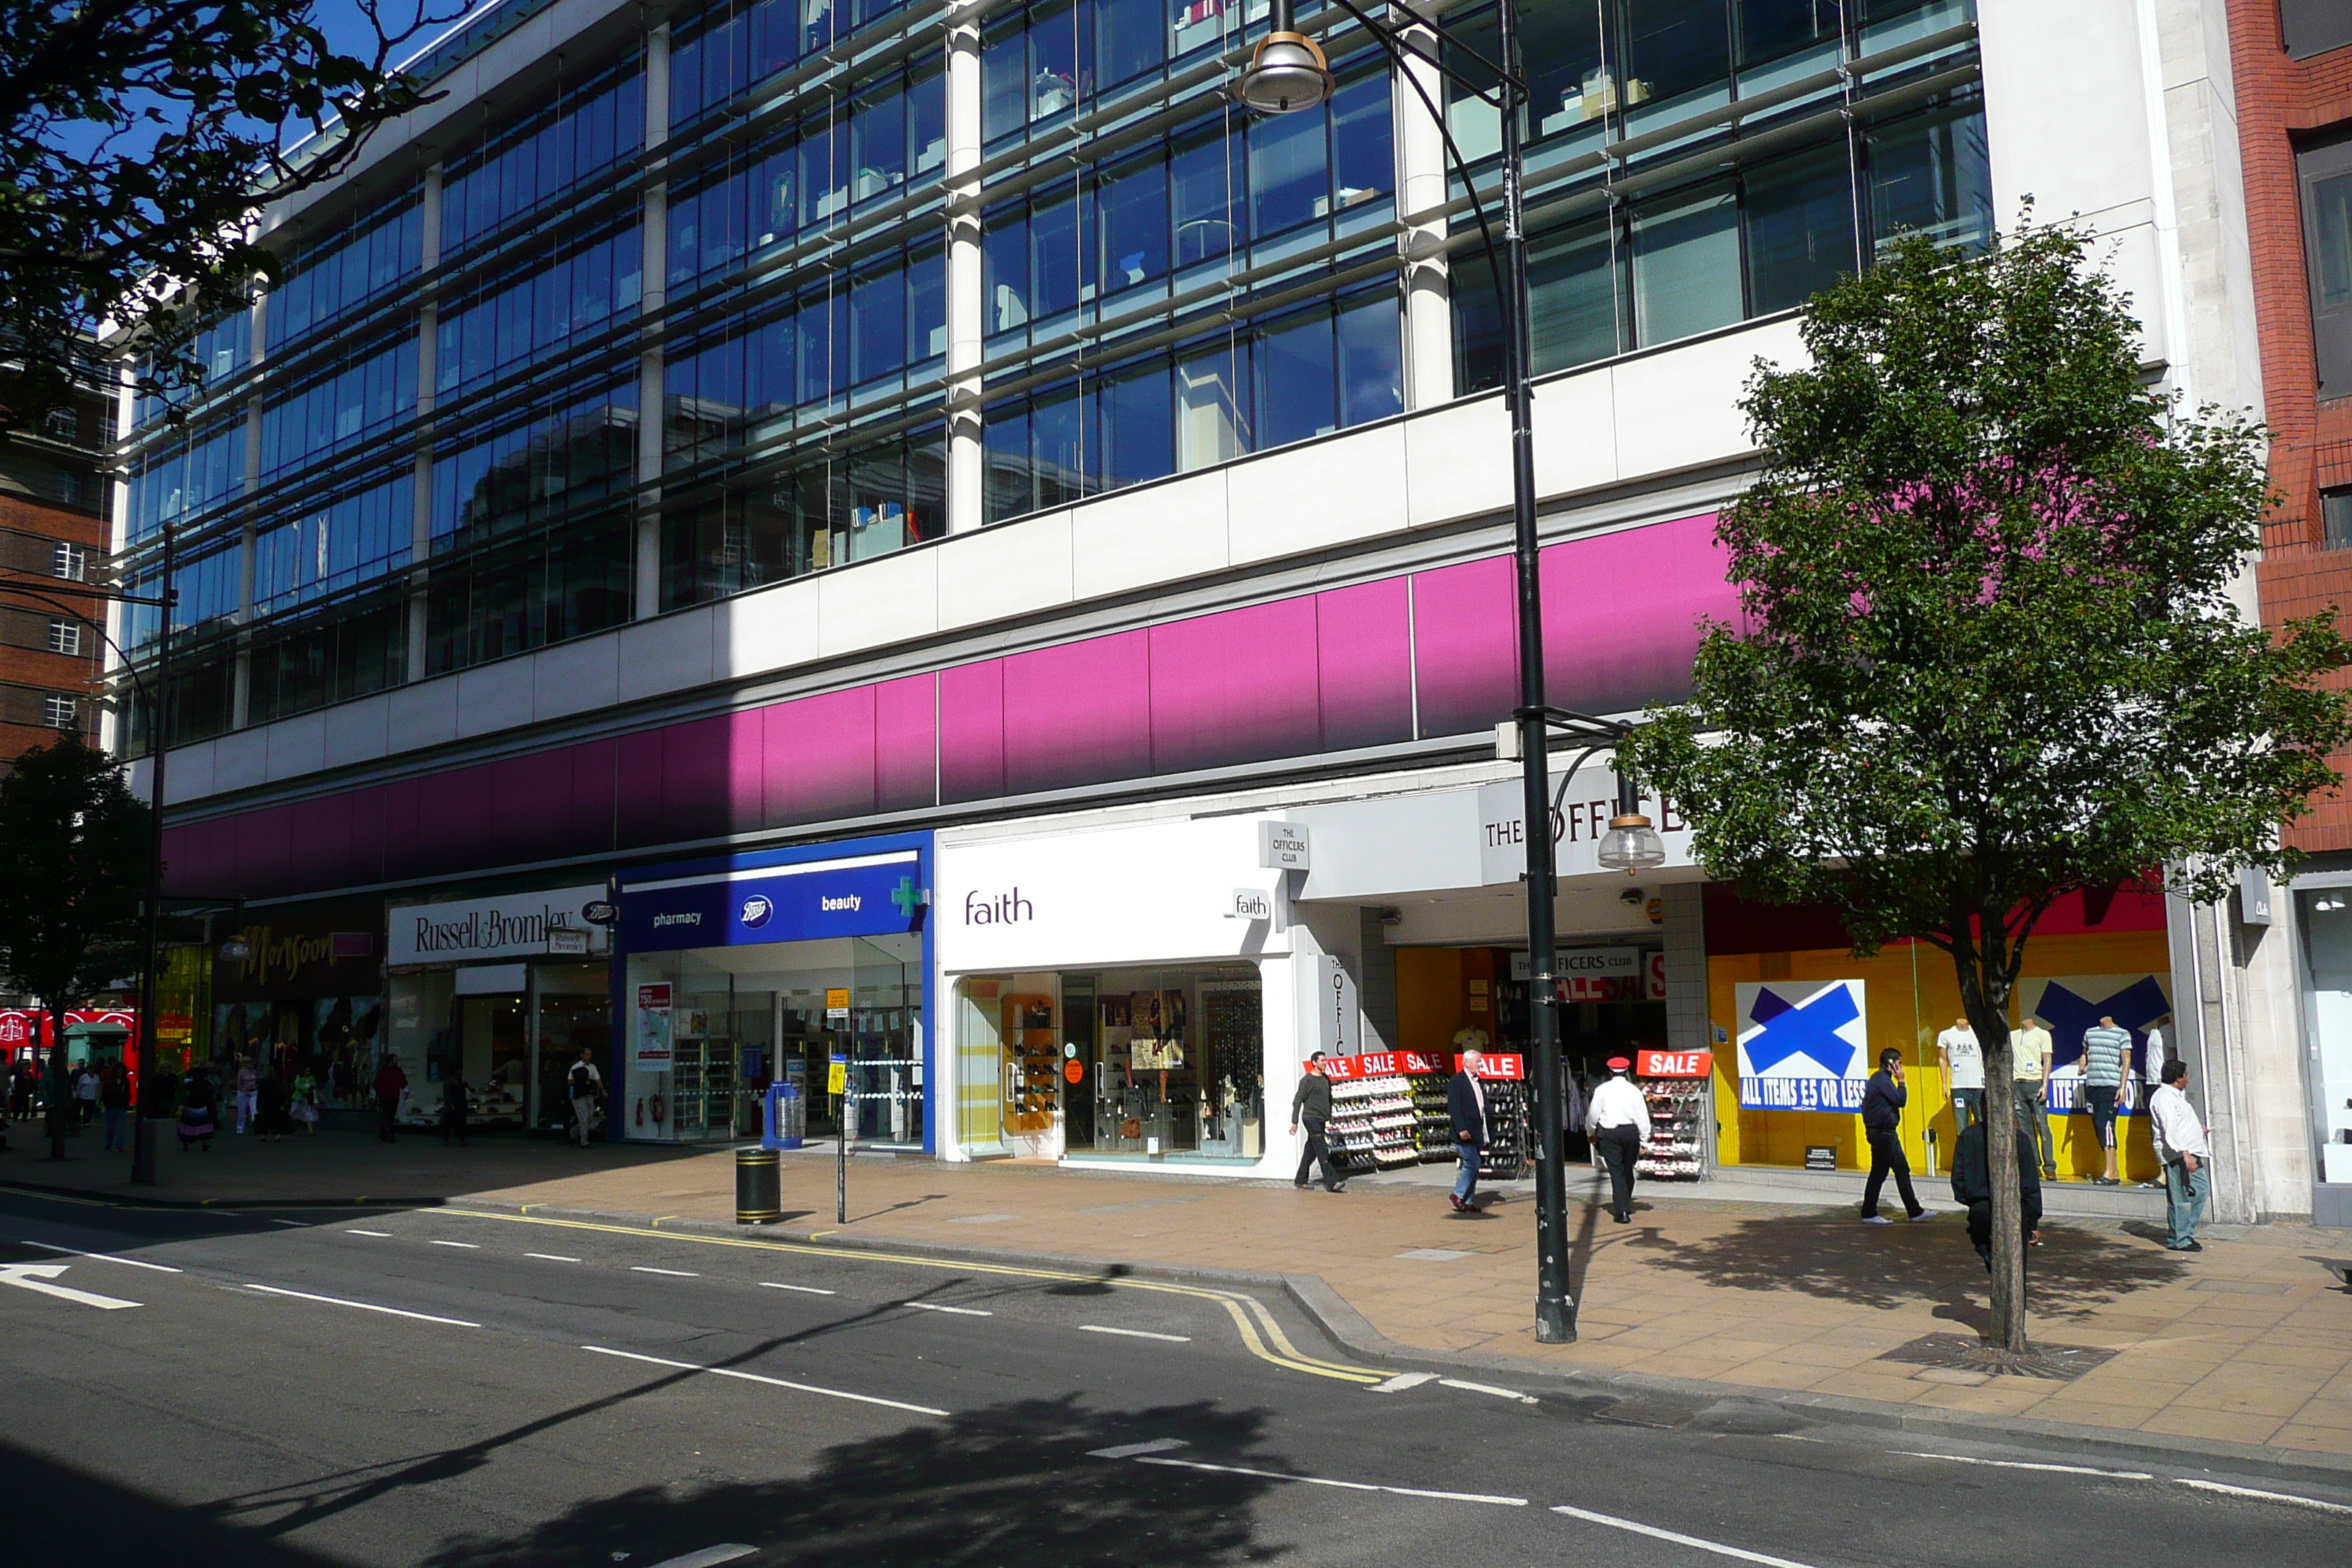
x=1963, y=1063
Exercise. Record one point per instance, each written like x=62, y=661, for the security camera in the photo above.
x=1631, y=896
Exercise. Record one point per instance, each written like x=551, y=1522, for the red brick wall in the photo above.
x=2280, y=103
x=36, y=668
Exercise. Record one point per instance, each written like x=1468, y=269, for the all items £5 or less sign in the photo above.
x=1804, y=1045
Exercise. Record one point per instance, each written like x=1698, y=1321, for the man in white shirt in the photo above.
x=2180, y=1136
x=1962, y=1059
x=1619, y=1121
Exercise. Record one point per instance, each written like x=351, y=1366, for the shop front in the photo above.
x=2322, y=917
x=504, y=989
x=1799, y=1024
x=1125, y=993
x=804, y=966
x=309, y=999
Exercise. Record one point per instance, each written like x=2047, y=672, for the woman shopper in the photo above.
x=114, y=1101
x=306, y=1102
x=199, y=1110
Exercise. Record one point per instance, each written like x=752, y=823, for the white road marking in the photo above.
x=1134, y=1333
x=355, y=1230
x=1149, y=1454
x=108, y=1257
x=1717, y=1547
x=2024, y=1465
x=1403, y=1381
x=803, y=1290
x=468, y=1245
x=770, y=1382
x=36, y=1277
x=2265, y=1497
x=1486, y=1388
x=288, y=1223
x=708, y=1557
x=958, y=1311
x=362, y=1306
x=674, y=1273
x=550, y=1257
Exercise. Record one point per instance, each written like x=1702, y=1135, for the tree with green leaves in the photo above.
x=142, y=137
x=1991, y=652
x=74, y=850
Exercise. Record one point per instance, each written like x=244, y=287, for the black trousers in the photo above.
x=1316, y=1150
x=387, y=1106
x=1886, y=1154
x=1619, y=1146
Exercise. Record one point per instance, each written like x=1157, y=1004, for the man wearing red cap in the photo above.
x=1619, y=1121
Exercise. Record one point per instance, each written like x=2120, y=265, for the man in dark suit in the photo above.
x=1882, y=1100
x=1312, y=1106
x=1466, y=1111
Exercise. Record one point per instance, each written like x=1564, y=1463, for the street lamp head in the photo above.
x=1287, y=71
x=236, y=951
x=1632, y=845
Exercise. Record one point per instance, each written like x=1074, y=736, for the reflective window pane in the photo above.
x=1686, y=265
x=1799, y=228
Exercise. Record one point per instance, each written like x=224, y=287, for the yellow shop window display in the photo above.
x=1800, y=1023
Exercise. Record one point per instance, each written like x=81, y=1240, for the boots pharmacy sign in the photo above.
x=512, y=925
x=1804, y=1045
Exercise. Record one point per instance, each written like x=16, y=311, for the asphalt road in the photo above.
x=443, y=1388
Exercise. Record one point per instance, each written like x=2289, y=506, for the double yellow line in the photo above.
x=1260, y=1333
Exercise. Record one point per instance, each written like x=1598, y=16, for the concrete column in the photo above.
x=655, y=230
x=1421, y=190
x=967, y=455
x=1376, y=982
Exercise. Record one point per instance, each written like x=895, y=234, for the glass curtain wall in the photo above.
x=1840, y=167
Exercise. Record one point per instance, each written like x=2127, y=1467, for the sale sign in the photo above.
x=1673, y=1064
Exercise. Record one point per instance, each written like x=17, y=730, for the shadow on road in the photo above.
x=64, y=1515
x=1102, y=1284
x=1838, y=1259
x=1011, y=1485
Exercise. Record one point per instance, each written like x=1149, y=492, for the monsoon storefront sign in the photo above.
x=1803, y=1046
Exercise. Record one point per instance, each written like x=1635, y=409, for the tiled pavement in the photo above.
x=2249, y=1341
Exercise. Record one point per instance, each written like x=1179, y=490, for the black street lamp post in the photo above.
x=1287, y=73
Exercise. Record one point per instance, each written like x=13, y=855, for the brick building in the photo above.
x=52, y=532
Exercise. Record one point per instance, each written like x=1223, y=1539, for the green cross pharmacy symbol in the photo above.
x=907, y=896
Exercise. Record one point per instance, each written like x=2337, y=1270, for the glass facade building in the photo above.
x=773, y=288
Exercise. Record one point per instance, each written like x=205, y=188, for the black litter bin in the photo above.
x=758, y=1187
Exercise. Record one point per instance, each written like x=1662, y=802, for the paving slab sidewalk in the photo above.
x=2250, y=1342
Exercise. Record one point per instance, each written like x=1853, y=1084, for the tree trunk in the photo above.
x=61, y=1103
x=1984, y=991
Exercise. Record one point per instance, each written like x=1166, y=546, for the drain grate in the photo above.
x=1962, y=1353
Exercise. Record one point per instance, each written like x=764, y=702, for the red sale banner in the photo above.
x=1673, y=1064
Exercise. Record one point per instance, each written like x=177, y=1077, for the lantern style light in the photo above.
x=1287, y=71
x=1631, y=844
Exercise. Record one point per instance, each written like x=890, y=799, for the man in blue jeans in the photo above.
x=1465, y=1112
x=2179, y=1137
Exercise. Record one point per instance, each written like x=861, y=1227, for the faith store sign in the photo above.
x=1804, y=1045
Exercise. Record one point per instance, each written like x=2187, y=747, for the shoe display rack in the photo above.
x=1506, y=1131
x=1674, y=1150
x=1434, y=1131
x=1374, y=1124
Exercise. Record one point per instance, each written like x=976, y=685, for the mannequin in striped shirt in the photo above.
x=2106, y=1053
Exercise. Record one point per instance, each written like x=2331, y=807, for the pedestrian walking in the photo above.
x=273, y=1098
x=114, y=1101
x=2106, y=1056
x=1962, y=1059
x=249, y=1088
x=1972, y=1186
x=306, y=1102
x=1619, y=1121
x=390, y=1084
x=2180, y=1144
x=1310, y=1107
x=2030, y=1056
x=453, y=1106
x=1466, y=1113
x=20, y=1092
x=86, y=1087
x=1882, y=1100
x=585, y=1084
x=199, y=1110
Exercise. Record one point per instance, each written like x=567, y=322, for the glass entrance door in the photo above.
x=884, y=1039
